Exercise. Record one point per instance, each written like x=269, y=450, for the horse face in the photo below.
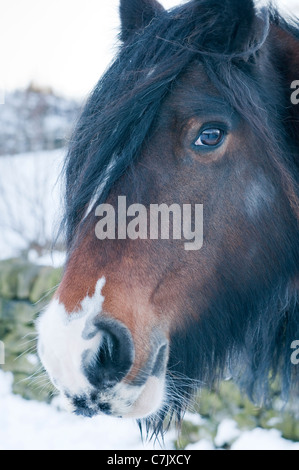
x=135, y=320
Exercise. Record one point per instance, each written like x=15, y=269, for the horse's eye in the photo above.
x=210, y=138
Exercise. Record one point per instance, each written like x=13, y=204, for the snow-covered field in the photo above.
x=28, y=425
x=30, y=204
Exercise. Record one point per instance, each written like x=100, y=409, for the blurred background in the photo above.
x=52, y=54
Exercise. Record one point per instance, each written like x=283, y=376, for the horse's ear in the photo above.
x=233, y=26
x=136, y=15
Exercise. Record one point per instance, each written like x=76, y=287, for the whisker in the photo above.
x=28, y=351
x=47, y=294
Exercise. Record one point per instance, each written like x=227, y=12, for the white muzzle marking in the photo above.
x=63, y=339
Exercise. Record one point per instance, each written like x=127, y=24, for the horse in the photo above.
x=195, y=110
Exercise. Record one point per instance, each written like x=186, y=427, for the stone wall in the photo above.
x=229, y=407
x=25, y=289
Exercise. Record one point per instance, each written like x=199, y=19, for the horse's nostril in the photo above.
x=108, y=359
x=114, y=357
x=108, y=350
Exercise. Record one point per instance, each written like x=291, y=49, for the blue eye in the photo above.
x=210, y=138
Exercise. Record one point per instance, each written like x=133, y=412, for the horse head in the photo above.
x=193, y=117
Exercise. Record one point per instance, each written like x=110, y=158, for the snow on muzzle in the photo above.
x=89, y=356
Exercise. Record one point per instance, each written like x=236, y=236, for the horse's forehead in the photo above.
x=194, y=87
x=195, y=77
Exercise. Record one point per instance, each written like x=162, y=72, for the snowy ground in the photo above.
x=28, y=425
x=31, y=425
x=30, y=204
x=30, y=207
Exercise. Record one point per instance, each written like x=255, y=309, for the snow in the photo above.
x=203, y=444
x=228, y=431
x=55, y=258
x=30, y=425
x=31, y=205
x=262, y=439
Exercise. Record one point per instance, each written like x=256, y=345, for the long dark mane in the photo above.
x=128, y=97
x=117, y=121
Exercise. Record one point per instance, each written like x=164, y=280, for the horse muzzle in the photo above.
x=90, y=358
